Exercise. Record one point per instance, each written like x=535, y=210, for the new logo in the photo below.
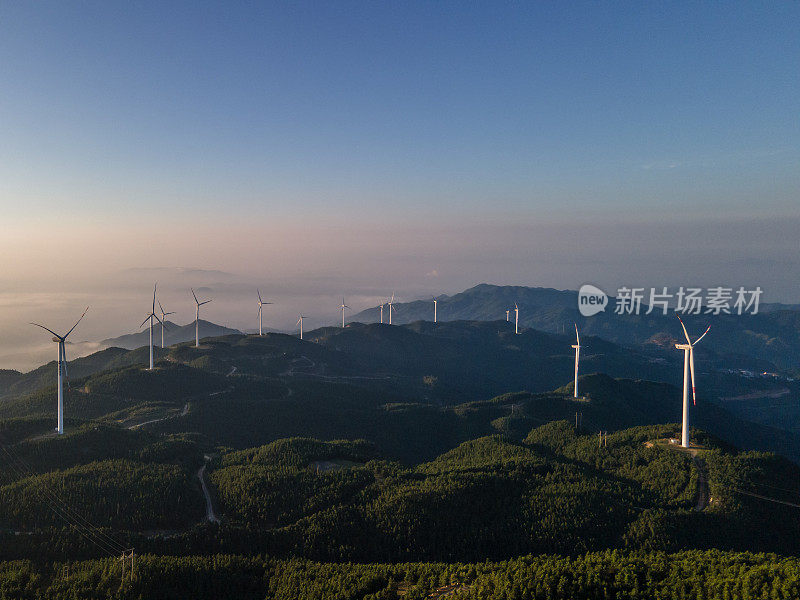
x=591, y=300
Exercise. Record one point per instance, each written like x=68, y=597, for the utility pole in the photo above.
x=128, y=555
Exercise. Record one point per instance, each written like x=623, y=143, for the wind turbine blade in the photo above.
x=298, y=321
x=515, y=306
x=161, y=308
x=159, y=320
x=688, y=341
x=147, y=318
x=691, y=369
x=154, y=296
x=201, y=303
x=195, y=295
x=577, y=337
x=702, y=336
x=47, y=329
x=76, y=323
x=259, y=294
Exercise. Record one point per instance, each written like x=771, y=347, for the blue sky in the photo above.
x=344, y=148
x=401, y=106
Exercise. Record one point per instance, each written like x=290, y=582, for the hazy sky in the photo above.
x=328, y=148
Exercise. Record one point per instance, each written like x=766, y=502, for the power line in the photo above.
x=62, y=509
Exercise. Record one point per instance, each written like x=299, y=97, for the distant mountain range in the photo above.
x=174, y=334
x=769, y=340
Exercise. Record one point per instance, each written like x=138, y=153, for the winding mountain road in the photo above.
x=201, y=475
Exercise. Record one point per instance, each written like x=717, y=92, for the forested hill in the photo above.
x=769, y=340
x=409, y=445
x=558, y=490
x=248, y=390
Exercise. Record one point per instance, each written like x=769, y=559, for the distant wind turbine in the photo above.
x=381, y=307
x=507, y=318
x=343, y=307
x=197, y=319
x=391, y=308
x=163, y=321
x=688, y=365
x=577, y=346
x=434, y=308
x=300, y=322
x=261, y=305
x=150, y=318
x=516, y=318
x=62, y=367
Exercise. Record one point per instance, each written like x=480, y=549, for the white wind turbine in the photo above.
x=163, y=321
x=516, y=318
x=381, y=307
x=197, y=319
x=343, y=307
x=261, y=305
x=150, y=318
x=435, y=302
x=688, y=365
x=507, y=317
x=62, y=367
x=391, y=308
x=300, y=322
x=577, y=346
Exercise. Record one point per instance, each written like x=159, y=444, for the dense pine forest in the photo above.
x=323, y=483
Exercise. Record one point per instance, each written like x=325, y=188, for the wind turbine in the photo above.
x=300, y=322
x=507, y=318
x=62, y=367
x=163, y=320
x=688, y=365
x=261, y=304
x=150, y=318
x=434, y=308
x=516, y=318
x=577, y=347
x=381, y=307
x=343, y=307
x=197, y=319
x=391, y=308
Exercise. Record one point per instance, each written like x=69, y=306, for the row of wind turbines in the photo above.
x=688, y=347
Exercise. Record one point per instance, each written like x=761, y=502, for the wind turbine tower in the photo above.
x=516, y=318
x=197, y=319
x=507, y=317
x=62, y=368
x=163, y=320
x=688, y=366
x=435, y=302
x=261, y=305
x=150, y=317
x=381, y=307
x=577, y=346
x=343, y=307
x=300, y=322
x=391, y=308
